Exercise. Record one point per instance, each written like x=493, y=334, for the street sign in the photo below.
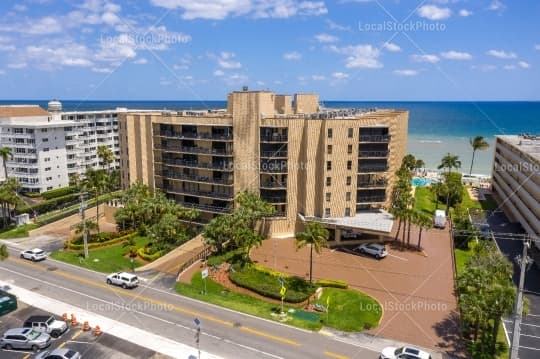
x=197, y=321
x=281, y=281
x=282, y=292
x=204, y=273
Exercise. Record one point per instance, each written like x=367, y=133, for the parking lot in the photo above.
x=85, y=342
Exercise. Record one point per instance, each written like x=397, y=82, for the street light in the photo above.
x=85, y=234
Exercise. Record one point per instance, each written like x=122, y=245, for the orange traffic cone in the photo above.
x=65, y=317
x=97, y=331
x=86, y=326
x=74, y=320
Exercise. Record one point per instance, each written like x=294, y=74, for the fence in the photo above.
x=202, y=254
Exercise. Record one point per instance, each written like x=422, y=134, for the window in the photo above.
x=349, y=165
x=350, y=132
x=46, y=149
x=349, y=149
x=348, y=196
x=328, y=196
x=328, y=181
x=47, y=169
x=19, y=140
x=347, y=212
x=43, y=130
x=17, y=130
x=348, y=180
x=47, y=159
x=328, y=165
x=329, y=149
x=45, y=139
x=329, y=133
x=327, y=212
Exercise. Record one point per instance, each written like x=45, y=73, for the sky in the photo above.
x=402, y=50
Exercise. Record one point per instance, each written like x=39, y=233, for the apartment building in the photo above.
x=38, y=149
x=516, y=180
x=334, y=166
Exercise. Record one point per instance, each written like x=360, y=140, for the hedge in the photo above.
x=148, y=257
x=68, y=244
x=59, y=192
x=31, y=194
x=267, y=285
x=334, y=283
x=271, y=272
x=48, y=205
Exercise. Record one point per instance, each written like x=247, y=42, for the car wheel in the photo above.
x=362, y=250
x=8, y=347
x=35, y=348
x=124, y=285
x=33, y=259
x=22, y=256
x=377, y=256
x=109, y=281
x=55, y=334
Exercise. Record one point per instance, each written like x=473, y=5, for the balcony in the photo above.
x=196, y=193
x=274, y=154
x=370, y=169
x=370, y=199
x=275, y=200
x=196, y=150
x=373, y=154
x=278, y=215
x=374, y=138
x=373, y=184
x=194, y=178
x=274, y=138
x=207, y=207
x=221, y=166
x=274, y=185
x=196, y=136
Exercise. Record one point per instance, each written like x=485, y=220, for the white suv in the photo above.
x=375, y=249
x=35, y=254
x=404, y=353
x=123, y=279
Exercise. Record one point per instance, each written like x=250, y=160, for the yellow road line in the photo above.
x=61, y=345
x=76, y=335
x=26, y=356
x=334, y=355
x=160, y=303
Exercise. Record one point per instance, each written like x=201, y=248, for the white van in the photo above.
x=439, y=220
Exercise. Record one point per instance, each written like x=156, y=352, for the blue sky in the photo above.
x=344, y=49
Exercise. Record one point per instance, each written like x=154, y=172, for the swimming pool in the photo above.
x=421, y=182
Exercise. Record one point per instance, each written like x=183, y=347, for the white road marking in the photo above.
x=522, y=347
x=393, y=255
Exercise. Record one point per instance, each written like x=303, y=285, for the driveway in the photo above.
x=416, y=290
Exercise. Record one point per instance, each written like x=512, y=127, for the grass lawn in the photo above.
x=424, y=201
x=109, y=259
x=17, y=232
x=462, y=256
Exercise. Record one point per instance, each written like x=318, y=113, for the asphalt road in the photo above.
x=159, y=310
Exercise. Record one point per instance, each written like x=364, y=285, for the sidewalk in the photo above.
x=123, y=331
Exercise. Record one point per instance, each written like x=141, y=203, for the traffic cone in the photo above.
x=65, y=317
x=74, y=320
x=97, y=331
x=86, y=326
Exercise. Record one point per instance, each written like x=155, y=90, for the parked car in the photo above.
x=63, y=353
x=25, y=338
x=404, y=353
x=46, y=324
x=8, y=302
x=35, y=254
x=376, y=250
x=123, y=279
x=439, y=219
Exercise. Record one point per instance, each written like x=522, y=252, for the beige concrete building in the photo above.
x=516, y=180
x=330, y=165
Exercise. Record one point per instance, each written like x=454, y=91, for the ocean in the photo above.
x=435, y=128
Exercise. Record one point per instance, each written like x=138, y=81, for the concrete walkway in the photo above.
x=120, y=330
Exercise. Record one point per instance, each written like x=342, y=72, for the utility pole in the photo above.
x=85, y=234
x=523, y=261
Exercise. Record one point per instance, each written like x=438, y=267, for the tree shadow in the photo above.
x=452, y=342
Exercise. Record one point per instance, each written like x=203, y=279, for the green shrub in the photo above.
x=57, y=217
x=31, y=194
x=49, y=205
x=59, y=192
x=150, y=257
x=269, y=271
x=267, y=285
x=334, y=283
x=79, y=246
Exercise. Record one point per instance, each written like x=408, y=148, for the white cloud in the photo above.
x=433, y=12
x=260, y=83
x=405, y=72
x=50, y=57
x=292, y=56
x=318, y=77
x=465, y=12
x=221, y=9
x=117, y=49
x=340, y=75
x=496, y=5
x=2, y=72
x=509, y=67
x=7, y=48
x=17, y=65
x=102, y=70
x=140, y=61
x=389, y=46
x=425, y=58
x=537, y=47
x=361, y=56
x=484, y=68
x=226, y=60
x=502, y=54
x=235, y=79
x=181, y=67
x=43, y=26
x=332, y=25
x=326, y=38
x=20, y=7
x=219, y=73
x=524, y=65
x=456, y=55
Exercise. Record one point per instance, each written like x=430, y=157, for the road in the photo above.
x=156, y=308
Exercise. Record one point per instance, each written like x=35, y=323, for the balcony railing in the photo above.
x=273, y=168
x=211, y=151
x=373, y=184
x=207, y=207
x=274, y=154
x=373, y=154
x=374, y=138
x=222, y=166
x=278, y=215
x=194, y=178
x=274, y=138
x=370, y=199
x=368, y=169
x=274, y=185
x=193, y=192
x=197, y=136
x=275, y=199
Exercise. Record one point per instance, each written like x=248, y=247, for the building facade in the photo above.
x=516, y=180
x=310, y=163
x=38, y=147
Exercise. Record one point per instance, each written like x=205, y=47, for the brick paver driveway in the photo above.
x=416, y=290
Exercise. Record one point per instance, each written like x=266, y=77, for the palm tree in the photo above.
x=4, y=254
x=106, y=156
x=477, y=143
x=88, y=225
x=5, y=153
x=450, y=161
x=316, y=236
x=438, y=189
x=96, y=181
x=423, y=222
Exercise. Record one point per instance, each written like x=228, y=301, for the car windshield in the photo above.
x=133, y=279
x=398, y=351
x=39, y=252
x=33, y=334
x=50, y=321
x=70, y=354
